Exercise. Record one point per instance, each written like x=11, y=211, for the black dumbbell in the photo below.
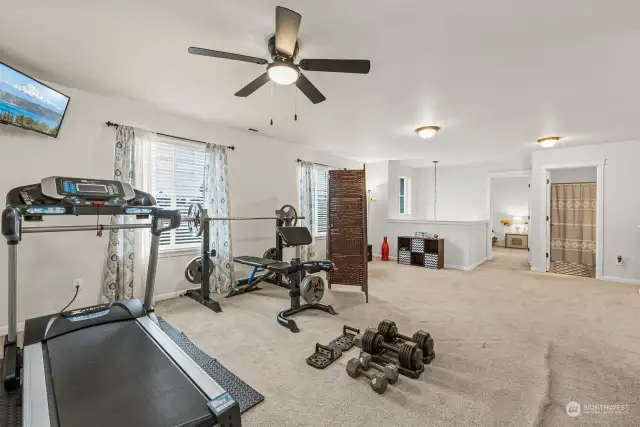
x=409, y=355
x=377, y=379
x=389, y=331
x=390, y=370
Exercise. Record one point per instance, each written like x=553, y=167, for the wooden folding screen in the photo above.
x=347, y=232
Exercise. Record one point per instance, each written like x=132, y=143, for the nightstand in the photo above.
x=516, y=241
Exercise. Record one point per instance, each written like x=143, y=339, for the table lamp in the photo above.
x=518, y=221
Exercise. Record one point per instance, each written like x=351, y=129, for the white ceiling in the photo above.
x=494, y=74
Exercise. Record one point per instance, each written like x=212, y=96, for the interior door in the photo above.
x=548, y=219
x=529, y=227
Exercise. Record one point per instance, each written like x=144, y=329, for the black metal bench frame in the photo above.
x=295, y=272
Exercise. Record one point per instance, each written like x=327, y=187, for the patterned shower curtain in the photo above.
x=118, y=272
x=216, y=196
x=308, y=206
x=573, y=220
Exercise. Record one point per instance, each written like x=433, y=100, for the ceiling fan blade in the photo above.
x=253, y=86
x=287, y=27
x=356, y=66
x=226, y=55
x=309, y=89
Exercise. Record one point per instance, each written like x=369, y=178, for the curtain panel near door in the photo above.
x=217, y=203
x=308, y=206
x=124, y=266
x=573, y=222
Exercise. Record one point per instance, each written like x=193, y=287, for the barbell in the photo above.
x=196, y=217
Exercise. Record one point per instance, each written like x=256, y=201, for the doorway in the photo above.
x=572, y=211
x=508, y=209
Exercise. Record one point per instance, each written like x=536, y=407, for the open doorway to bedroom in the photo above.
x=572, y=208
x=509, y=212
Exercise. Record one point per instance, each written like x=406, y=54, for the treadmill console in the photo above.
x=91, y=189
x=57, y=195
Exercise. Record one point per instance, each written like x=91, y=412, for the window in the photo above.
x=322, y=187
x=177, y=180
x=405, y=195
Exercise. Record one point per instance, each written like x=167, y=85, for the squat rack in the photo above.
x=199, y=223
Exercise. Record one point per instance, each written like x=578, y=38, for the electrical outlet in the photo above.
x=77, y=283
x=619, y=260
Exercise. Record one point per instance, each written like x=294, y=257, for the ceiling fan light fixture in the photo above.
x=549, y=141
x=426, y=132
x=283, y=73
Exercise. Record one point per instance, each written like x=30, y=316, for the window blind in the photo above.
x=322, y=187
x=177, y=180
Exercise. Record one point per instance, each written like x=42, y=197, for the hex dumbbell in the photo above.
x=409, y=355
x=389, y=331
x=390, y=370
x=377, y=379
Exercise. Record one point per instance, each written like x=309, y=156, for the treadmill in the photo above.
x=109, y=364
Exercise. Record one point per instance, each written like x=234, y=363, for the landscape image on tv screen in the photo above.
x=29, y=104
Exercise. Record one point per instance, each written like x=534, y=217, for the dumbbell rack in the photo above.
x=383, y=357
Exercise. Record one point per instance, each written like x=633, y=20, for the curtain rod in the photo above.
x=318, y=164
x=230, y=147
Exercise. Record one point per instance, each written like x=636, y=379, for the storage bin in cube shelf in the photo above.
x=417, y=245
x=404, y=257
x=431, y=261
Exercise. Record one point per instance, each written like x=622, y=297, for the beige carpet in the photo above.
x=513, y=348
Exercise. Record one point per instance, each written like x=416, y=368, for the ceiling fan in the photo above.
x=283, y=47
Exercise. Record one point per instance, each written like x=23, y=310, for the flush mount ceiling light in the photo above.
x=426, y=132
x=549, y=141
x=283, y=73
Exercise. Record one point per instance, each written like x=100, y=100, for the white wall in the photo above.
x=509, y=199
x=567, y=176
x=462, y=189
x=621, y=204
x=263, y=176
x=377, y=182
x=399, y=169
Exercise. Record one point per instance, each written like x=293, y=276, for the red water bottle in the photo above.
x=385, y=250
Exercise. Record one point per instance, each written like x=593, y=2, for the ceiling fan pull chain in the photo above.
x=295, y=106
x=272, y=101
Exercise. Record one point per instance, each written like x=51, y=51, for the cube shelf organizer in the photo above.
x=421, y=251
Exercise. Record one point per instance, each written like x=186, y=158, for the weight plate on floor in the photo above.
x=270, y=253
x=312, y=289
x=193, y=272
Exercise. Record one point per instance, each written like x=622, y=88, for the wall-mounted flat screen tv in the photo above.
x=29, y=104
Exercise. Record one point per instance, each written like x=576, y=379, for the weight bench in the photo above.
x=311, y=288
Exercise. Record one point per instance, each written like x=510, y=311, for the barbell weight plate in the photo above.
x=270, y=253
x=289, y=215
x=193, y=272
x=312, y=289
x=194, y=214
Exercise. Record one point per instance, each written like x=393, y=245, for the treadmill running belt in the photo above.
x=115, y=375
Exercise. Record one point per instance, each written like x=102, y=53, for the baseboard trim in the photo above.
x=477, y=264
x=4, y=330
x=162, y=297
x=446, y=266
x=620, y=280
x=537, y=270
x=172, y=295
x=379, y=256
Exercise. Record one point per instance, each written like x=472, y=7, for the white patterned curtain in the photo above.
x=216, y=196
x=124, y=267
x=308, y=206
